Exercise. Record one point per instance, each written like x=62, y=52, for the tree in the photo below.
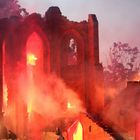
x=122, y=63
x=11, y=8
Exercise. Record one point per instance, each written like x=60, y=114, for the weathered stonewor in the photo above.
x=81, y=71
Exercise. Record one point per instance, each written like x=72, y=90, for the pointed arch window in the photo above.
x=34, y=48
x=72, y=52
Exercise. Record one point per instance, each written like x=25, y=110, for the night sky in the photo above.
x=119, y=20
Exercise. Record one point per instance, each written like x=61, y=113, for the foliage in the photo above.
x=122, y=63
x=11, y=8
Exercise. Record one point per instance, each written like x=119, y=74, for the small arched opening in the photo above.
x=72, y=51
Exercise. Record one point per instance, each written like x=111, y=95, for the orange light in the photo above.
x=5, y=96
x=29, y=110
x=31, y=59
x=78, y=134
x=69, y=105
x=5, y=88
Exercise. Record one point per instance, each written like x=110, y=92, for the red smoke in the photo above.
x=41, y=99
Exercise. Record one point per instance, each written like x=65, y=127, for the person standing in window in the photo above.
x=72, y=52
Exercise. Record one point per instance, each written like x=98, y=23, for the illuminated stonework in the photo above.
x=52, y=44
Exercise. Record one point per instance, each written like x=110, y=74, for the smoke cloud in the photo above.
x=124, y=110
x=48, y=101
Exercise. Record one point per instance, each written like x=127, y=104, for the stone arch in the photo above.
x=42, y=38
x=71, y=34
x=34, y=50
x=73, y=75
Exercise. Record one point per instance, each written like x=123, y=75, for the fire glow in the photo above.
x=31, y=59
x=69, y=105
x=38, y=95
x=78, y=135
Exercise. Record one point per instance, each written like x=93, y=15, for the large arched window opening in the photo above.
x=37, y=53
x=34, y=52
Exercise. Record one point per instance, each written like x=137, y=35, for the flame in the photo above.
x=78, y=134
x=5, y=97
x=31, y=59
x=29, y=110
x=69, y=105
x=5, y=88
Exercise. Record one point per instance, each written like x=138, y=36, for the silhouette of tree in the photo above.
x=11, y=8
x=122, y=63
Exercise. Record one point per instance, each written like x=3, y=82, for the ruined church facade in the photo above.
x=69, y=49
